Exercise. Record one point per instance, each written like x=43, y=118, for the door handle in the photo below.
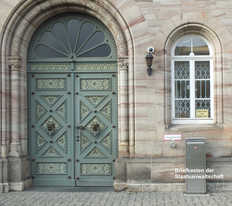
x=80, y=127
x=79, y=132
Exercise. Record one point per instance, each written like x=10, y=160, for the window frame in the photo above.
x=192, y=59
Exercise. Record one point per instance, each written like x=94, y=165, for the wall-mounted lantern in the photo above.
x=149, y=60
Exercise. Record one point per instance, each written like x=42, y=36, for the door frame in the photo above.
x=14, y=52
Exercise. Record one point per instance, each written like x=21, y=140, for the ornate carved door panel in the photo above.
x=51, y=133
x=73, y=128
x=96, y=128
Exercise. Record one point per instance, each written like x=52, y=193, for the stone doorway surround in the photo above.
x=15, y=39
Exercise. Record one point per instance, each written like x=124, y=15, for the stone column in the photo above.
x=15, y=105
x=5, y=113
x=131, y=106
x=123, y=119
x=124, y=104
x=4, y=126
x=15, y=159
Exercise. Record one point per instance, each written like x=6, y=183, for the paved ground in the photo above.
x=39, y=198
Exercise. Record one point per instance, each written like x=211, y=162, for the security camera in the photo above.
x=150, y=49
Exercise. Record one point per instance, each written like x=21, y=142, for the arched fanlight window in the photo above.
x=192, y=81
x=191, y=45
x=72, y=37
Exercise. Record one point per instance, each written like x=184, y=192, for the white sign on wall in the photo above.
x=172, y=137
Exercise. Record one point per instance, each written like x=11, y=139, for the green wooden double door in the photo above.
x=73, y=128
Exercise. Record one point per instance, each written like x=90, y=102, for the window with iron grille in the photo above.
x=192, y=81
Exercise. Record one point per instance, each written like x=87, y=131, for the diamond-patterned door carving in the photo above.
x=73, y=129
x=97, y=128
x=51, y=129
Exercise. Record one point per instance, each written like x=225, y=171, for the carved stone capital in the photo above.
x=123, y=63
x=15, y=149
x=14, y=63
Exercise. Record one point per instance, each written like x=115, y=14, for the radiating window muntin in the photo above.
x=72, y=37
x=192, y=81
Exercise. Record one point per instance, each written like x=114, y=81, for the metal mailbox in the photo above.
x=195, y=165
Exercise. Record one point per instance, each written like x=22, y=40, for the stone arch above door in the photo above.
x=17, y=33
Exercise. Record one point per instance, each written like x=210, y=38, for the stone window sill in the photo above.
x=192, y=127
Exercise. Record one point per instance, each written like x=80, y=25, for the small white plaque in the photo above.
x=172, y=137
